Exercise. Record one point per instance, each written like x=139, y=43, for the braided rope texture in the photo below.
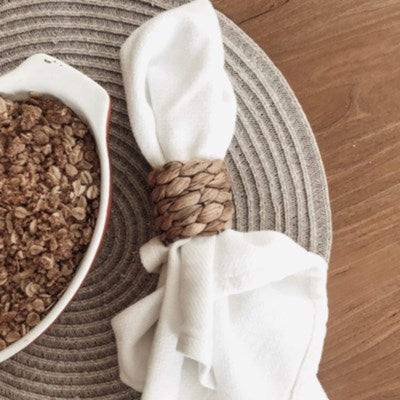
x=191, y=199
x=273, y=162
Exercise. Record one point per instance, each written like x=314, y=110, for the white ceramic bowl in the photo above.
x=45, y=74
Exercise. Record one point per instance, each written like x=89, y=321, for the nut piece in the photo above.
x=38, y=305
x=78, y=213
x=30, y=116
x=31, y=289
x=3, y=108
x=32, y=319
x=21, y=212
x=92, y=192
x=36, y=249
x=33, y=226
x=3, y=275
x=75, y=155
x=41, y=137
x=15, y=147
x=71, y=170
x=12, y=337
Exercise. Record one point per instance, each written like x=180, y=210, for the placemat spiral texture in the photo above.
x=274, y=165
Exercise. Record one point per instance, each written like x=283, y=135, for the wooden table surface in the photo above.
x=342, y=59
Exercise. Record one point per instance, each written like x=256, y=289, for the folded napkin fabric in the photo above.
x=236, y=316
x=180, y=101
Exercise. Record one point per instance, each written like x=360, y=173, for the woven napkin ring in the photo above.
x=191, y=199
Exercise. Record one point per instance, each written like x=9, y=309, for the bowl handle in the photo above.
x=45, y=74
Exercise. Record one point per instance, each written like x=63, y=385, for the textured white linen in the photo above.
x=237, y=316
x=180, y=101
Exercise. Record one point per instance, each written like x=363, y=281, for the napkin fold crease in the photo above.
x=235, y=316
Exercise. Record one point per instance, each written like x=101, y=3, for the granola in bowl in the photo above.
x=49, y=199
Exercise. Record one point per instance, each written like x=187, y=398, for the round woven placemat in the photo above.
x=278, y=183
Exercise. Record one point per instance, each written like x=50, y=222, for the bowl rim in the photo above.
x=101, y=135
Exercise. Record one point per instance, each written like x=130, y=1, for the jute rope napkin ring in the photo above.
x=191, y=199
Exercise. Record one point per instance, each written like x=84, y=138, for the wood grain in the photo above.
x=342, y=59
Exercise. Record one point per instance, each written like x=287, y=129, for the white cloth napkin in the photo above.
x=237, y=316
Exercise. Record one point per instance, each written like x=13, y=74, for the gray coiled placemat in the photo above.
x=277, y=174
